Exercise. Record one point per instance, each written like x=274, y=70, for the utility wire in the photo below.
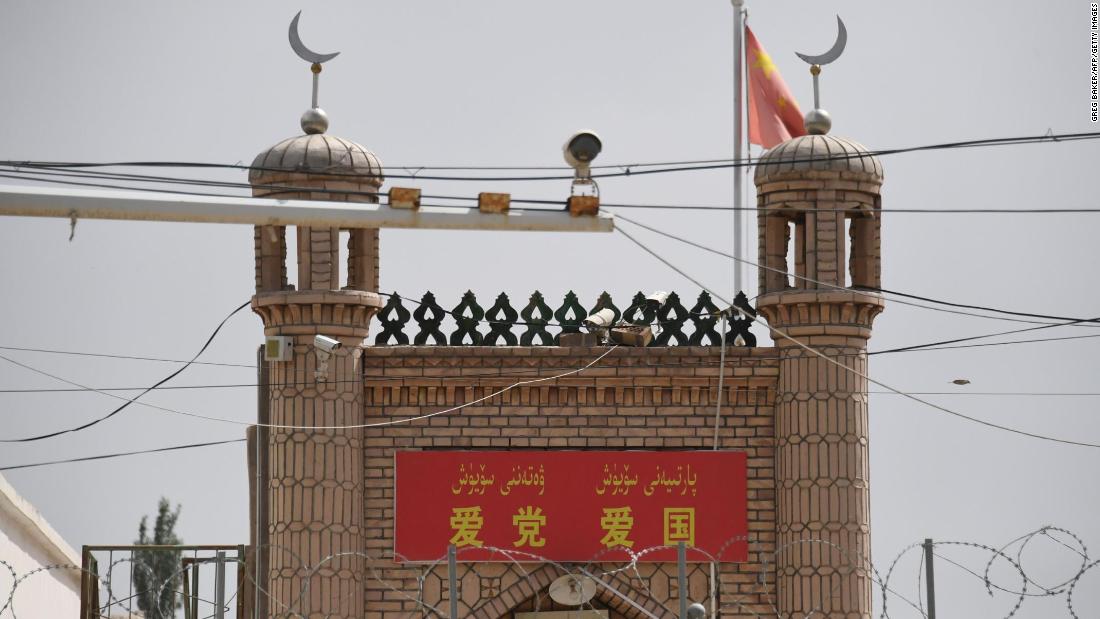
x=128, y=402
x=882, y=290
x=672, y=167
x=943, y=409
x=293, y=427
x=672, y=266
x=127, y=357
x=499, y=373
x=910, y=396
x=941, y=344
x=14, y=467
x=47, y=175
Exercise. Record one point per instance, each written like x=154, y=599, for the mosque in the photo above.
x=497, y=476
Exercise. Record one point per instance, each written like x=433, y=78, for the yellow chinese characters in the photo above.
x=529, y=522
x=679, y=525
x=617, y=523
x=466, y=522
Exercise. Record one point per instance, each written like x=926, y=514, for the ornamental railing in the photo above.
x=537, y=324
x=134, y=581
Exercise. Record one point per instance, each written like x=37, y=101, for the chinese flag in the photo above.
x=774, y=116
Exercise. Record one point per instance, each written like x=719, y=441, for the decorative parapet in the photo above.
x=537, y=324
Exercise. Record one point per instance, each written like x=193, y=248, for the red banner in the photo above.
x=570, y=505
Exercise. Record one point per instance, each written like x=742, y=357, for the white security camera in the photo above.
x=697, y=611
x=657, y=299
x=580, y=150
x=600, y=320
x=325, y=344
x=325, y=347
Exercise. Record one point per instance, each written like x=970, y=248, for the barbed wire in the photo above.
x=617, y=572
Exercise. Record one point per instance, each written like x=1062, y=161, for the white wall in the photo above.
x=27, y=543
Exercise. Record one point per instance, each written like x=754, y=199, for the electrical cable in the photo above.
x=940, y=345
x=672, y=167
x=36, y=174
x=943, y=409
x=127, y=357
x=292, y=427
x=882, y=290
x=14, y=467
x=118, y=410
x=673, y=267
x=721, y=375
x=932, y=346
x=864, y=376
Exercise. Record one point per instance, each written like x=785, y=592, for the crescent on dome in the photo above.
x=304, y=52
x=834, y=52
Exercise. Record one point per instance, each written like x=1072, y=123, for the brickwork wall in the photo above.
x=635, y=398
x=823, y=477
x=315, y=488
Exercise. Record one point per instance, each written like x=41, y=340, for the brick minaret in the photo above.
x=815, y=186
x=313, y=495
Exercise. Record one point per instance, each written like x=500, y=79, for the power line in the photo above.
x=672, y=266
x=910, y=396
x=14, y=467
x=670, y=167
x=118, y=410
x=882, y=290
x=292, y=427
x=47, y=175
x=941, y=344
x=127, y=357
x=499, y=373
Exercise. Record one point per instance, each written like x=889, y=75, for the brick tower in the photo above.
x=310, y=502
x=812, y=188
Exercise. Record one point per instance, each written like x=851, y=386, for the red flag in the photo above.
x=774, y=116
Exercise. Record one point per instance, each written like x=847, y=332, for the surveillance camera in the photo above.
x=697, y=611
x=600, y=320
x=325, y=344
x=657, y=298
x=580, y=150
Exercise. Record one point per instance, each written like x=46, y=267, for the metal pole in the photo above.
x=452, y=578
x=256, y=516
x=219, y=586
x=681, y=577
x=713, y=590
x=195, y=590
x=135, y=205
x=931, y=578
x=738, y=97
x=263, y=416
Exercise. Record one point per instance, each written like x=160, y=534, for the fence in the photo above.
x=118, y=580
x=503, y=325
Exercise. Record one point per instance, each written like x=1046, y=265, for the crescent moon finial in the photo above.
x=818, y=121
x=314, y=120
x=304, y=52
x=834, y=52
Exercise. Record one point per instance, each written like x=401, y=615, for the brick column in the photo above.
x=822, y=479
x=820, y=183
x=315, y=493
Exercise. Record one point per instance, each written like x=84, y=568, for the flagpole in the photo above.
x=738, y=100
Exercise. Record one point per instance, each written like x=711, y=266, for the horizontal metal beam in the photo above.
x=113, y=204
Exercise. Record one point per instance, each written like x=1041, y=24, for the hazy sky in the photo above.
x=505, y=83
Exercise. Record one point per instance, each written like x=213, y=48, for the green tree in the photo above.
x=156, y=573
